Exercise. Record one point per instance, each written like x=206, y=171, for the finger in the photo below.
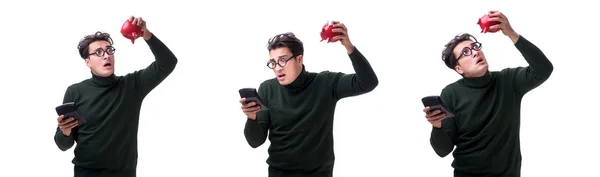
x=433, y=113
x=339, y=30
x=131, y=18
x=69, y=127
x=437, y=117
x=497, y=26
x=65, y=121
x=426, y=109
x=66, y=125
x=493, y=12
x=140, y=21
x=60, y=118
x=496, y=19
x=339, y=37
x=252, y=109
x=498, y=14
x=243, y=101
x=339, y=25
x=248, y=105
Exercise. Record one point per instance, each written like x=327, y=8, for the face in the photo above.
x=471, y=60
x=286, y=66
x=101, y=60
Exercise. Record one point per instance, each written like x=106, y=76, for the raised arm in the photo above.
x=363, y=81
x=256, y=131
x=538, y=71
x=65, y=142
x=443, y=139
x=165, y=62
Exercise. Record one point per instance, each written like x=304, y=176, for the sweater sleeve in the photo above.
x=256, y=131
x=65, y=142
x=362, y=81
x=165, y=61
x=443, y=139
x=538, y=71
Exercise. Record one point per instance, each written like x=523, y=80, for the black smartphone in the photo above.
x=251, y=95
x=435, y=103
x=70, y=110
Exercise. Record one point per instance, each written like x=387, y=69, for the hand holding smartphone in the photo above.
x=70, y=110
x=435, y=103
x=251, y=95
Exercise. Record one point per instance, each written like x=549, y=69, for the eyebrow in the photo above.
x=280, y=56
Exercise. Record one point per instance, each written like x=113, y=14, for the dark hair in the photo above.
x=288, y=40
x=448, y=52
x=84, y=43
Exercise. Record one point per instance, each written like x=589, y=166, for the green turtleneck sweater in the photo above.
x=107, y=143
x=486, y=127
x=300, y=117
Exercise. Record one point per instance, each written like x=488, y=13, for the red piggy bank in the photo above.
x=327, y=32
x=131, y=31
x=485, y=24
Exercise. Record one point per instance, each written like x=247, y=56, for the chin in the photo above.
x=283, y=82
x=106, y=74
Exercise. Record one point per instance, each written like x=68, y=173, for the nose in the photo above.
x=105, y=57
x=278, y=68
x=476, y=53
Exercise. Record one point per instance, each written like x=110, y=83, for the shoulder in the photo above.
x=327, y=73
x=78, y=85
x=448, y=93
x=507, y=74
x=327, y=76
x=449, y=89
x=452, y=86
x=508, y=71
x=267, y=85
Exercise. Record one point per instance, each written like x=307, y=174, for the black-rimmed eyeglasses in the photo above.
x=100, y=52
x=281, y=62
x=468, y=51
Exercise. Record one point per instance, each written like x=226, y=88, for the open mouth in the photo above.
x=480, y=60
x=280, y=76
x=107, y=64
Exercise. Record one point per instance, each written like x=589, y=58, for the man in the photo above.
x=485, y=128
x=107, y=143
x=301, y=107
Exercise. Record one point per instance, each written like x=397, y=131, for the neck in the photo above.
x=480, y=81
x=300, y=80
x=103, y=81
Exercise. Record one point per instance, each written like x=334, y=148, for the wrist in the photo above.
x=65, y=134
x=147, y=35
x=350, y=48
x=514, y=37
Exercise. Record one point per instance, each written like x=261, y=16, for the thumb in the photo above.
x=426, y=109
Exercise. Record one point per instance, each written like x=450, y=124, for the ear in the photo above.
x=459, y=70
x=300, y=59
x=87, y=63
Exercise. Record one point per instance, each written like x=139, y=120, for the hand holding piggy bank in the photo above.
x=485, y=24
x=327, y=32
x=131, y=31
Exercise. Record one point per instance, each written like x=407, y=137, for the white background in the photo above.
x=192, y=125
